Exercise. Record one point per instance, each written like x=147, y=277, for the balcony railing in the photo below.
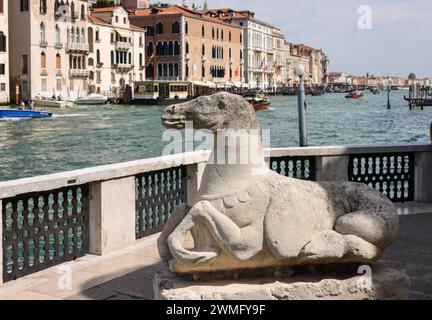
x=43, y=44
x=58, y=45
x=43, y=72
x=123, y=66
x=59, y=72
x=123, y=46
x=78, y=73
x=77, y=47
x=36, y=234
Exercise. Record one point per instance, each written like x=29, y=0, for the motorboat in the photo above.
x=51, y=102
x=11, y=113
x=259, y=102
x=92, y=99
x=356, y=94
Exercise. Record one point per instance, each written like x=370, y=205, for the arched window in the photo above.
x=203, y=71
x=165, y=48
x=176, y=48
x=230, y=53
x=2, y=42
x=176, y=70
x=43, y=60
x=77, y=35
x=203, y=50
x=159, y=49
x=171, y=70
x=150, y=49
x=217, y=33
x=165, y=70
x=58, y=61
x=98, y=56
x=130, y=58
x=83, y=36
x=57, y=34
x=230, y=36
x=187, y=47
x=112, y=58
x=56, y=7
x=186, y=27
x=42, y=32
x=222, y=34
x=159, y=28
x=160, y=73
x=72, y=9
x=141, y=59
x=213, y=33
x=82, y=12
x=97, y=34
x=176, y=27
x=202, y=31
x=171, y=48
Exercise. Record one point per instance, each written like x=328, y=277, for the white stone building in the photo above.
x=4, y=53
x=117, y=52
x=48, y=48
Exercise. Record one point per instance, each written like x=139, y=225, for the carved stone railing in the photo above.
x=50, y=219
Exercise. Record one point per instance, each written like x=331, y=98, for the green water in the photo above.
x=82, y=137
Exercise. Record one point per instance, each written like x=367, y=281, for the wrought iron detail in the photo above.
x=294, y=167
x=44, y=229
x=390, y=173
x=157, y=193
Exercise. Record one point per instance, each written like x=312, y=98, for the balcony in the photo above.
x=43, y=71
x=122, y=46
x=78, y=73
x=59, y=72
x=123, y=66
x=43, y=44
x=77, y=47
x=58, y=45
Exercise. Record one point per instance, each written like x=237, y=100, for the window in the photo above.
x=42, y=7
x=203, y=71
x=1, y=6
x=112, y=37
x=222, y=34
x=159, y=28
x=130, y=58
x=176, y=70
x=150, y=49
x=24, y=5
x=171, y=70
x=2, y=42
x=150, y=31
x=140, y=41
x=58, y=61
x=43, y=60
x=57, y=34
x=176, y=27
x=213, y=33
x=98, y=56
x=116, y=19
x=170, y=48
x=112, y=77
x=112, y=58
x=83, y=12
x=124, y=21
x=98, y=76
x=202, y=31
x=187, y=47
x=42, y=32
x=24, y=64
x=2, y=68
x=230, y=36
x=203, y=50
x=59, y=84
x=44, y=85
x=97, y=35
x=160, y=70
x=140, y=59
x=186, y=27
x=2, y=86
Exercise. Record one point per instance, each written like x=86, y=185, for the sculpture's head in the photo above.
x=218, y=111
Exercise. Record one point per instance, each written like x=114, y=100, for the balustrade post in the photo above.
x=112, y=215
x=1, y=242
x=194, y=174
x=422, y=179
x=332, y=168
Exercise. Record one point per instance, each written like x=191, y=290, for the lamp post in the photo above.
x=388, y=93
x=300, y=70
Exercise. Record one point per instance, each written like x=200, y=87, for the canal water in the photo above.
x=80, y=137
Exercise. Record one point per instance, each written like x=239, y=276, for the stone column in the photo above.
x=332, y=168
x=1, y=242
x=112, y=215
x=422, y=178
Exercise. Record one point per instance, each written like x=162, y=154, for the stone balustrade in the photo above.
x=51, y=219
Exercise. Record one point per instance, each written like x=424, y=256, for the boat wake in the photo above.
x=74, y=115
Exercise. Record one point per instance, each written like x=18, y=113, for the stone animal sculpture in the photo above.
x=246, y=216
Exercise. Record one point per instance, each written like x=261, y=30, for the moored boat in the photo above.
x=92, y=99
x=354, y=95
x=10, y=113
x=51, y=103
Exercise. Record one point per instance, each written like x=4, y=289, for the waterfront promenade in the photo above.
x=128, y=274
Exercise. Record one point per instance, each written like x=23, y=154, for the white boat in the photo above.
x=51, y=103
x=92, y=99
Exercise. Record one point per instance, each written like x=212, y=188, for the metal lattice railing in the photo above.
x=157, y=193
x=44, y=229
x=294, y=167
x=390, y=173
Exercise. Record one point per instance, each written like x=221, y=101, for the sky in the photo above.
x=394, y=39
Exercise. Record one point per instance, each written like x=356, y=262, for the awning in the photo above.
x=123, y=33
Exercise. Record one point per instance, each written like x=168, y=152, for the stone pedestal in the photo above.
x=384, y=284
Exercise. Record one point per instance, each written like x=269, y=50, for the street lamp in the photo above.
x=300, y=70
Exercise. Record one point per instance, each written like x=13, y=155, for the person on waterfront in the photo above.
x=22, y=105
x=31, y=105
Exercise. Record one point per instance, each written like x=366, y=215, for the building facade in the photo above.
x=116, y=51
x=48, y=48
x=4, y=52
x=185, y=45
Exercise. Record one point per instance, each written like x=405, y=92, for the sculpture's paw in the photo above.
x=326, y=244
x=332, y=245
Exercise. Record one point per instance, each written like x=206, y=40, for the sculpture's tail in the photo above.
x=176, y=218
